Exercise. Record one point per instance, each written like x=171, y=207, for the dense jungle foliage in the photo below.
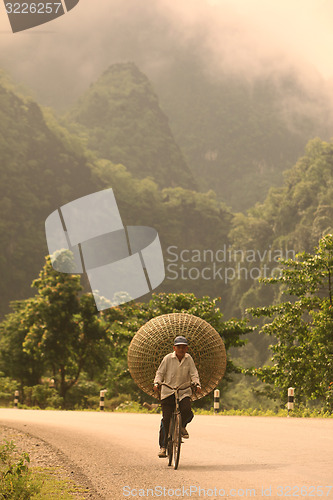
x=209, y=249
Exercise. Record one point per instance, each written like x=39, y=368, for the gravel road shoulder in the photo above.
x=44, y=456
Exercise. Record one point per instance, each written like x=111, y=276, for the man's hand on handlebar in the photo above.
x=197, y=389
x=156, y=388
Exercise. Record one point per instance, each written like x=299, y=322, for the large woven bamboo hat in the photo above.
x=155, y=339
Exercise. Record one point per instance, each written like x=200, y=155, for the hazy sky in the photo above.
x=249, y=36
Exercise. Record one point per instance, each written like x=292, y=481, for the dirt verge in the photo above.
x=44, y=456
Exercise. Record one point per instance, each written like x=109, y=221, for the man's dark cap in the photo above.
x=180, y=341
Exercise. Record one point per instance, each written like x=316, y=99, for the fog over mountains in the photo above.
x=252, y=39
x=256, y=71
x=244, y=84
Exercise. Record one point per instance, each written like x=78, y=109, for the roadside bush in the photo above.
x=114, y=403
x=131, y=407
x=83, y=395
x=7, y=390
x=16, y=482
x=42, y=396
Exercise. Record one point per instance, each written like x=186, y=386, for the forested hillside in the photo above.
x=41, y=168
x=292, y=218
x=240, y=133
x=124, y=123
x=44, y=166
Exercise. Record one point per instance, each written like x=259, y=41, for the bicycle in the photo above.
x=175, y=435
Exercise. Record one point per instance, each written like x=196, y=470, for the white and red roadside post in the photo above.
x=290, y=404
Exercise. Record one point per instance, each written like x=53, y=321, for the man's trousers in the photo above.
x=168, y=405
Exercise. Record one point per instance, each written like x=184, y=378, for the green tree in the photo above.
x=15, y=362
x=302, y=326
x=121, y=323
x=58, y=332
x=55, y=331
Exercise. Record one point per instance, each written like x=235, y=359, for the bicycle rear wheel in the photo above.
x=177, y=440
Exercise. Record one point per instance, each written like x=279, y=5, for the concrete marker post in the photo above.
x=16, y=398
x=290, y=404
x=216, y=400
x=101, y=399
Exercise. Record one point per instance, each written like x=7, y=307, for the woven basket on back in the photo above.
x=154, y=340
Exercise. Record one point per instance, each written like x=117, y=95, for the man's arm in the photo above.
x=194, y=375
x=159, y=377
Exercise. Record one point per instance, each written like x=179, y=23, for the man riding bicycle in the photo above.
x=176, y=369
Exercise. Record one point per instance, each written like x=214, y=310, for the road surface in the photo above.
x=225, y=457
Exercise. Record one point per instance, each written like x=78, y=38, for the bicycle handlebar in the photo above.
x=176, y=389
x=179, y=387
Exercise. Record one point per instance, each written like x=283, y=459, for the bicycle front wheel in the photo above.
x=177, y=440
x=170, y=439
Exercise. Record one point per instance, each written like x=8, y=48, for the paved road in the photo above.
x=225, y=457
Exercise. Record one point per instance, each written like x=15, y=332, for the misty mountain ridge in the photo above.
x=240, y=134
x=237, y=136
x=126, y=125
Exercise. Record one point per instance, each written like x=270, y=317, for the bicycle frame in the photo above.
x=174, y=434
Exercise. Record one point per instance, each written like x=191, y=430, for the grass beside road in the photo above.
x=299, y=412
x=255, y=412
x=135, y=407
x=51, y=487
x=21, y=481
